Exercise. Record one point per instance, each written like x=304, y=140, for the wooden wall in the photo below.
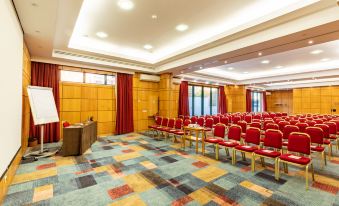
x=26, y=80
x=316, y=100
x=168, y=96
x=280, y=101
x=236, y=98
x=145, y=103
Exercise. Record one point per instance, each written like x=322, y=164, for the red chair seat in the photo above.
x=228, y=143
x=213, y=140
x=262, y=139
x=326, y=141
x=333, y=137
x=246, y=148
x=317, y=148
x=268, y=153
x=153, y=126
x=179, y=132
x=174, y=130
x=243, y=135
x=207, y=129
x=285, y=143
x=167, y=129
x=163, y=129
x=295, y=159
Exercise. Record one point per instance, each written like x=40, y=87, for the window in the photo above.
x=110, y=80
x=71, y=76
x=94, y=78
x=203, y=100
x=257, y=101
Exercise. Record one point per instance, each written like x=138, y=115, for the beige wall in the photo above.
x=280, y=101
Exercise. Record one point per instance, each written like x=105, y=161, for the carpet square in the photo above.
x=120, y=191
x=43, y=193
x=85, y=181
x=210, y=173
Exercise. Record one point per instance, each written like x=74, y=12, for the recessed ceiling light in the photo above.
x=101, y=34
x=318, y=51
x=154, y=16
x=325, y=59
x=278, y=67
x=245, y=72
x=148, y=46
x=216, y=83
x=195, y=80
x=310, y=42
x=201, y=67
x=225, y=61
x=126, y=4
x=181, y=72
x=260, y=53
x=181, y=27
x=182, y=79
x=265, y=61
x=230, y=68
x=206, y=82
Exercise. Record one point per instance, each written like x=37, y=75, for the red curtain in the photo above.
x=124, y=115
x=264, y=102
x=222, y=105
x=46, y=75
x=183, y=99
x=248, y=100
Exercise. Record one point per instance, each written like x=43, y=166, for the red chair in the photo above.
x=224, y=120
x=311, y=123
x=181, y=131
x=201, y=121
x=269, y=126
x=336, y=121
x=252, y=142
x=257, y=116
x=158, y=121
x=216, y=120
x=272, y=149
x=234, y=138
x=209, y=124
x=294, y=121
x=194, y=119
x=243, y=126
x=170, y=126
x=282, y=124
x=164, y=124
x=319, y=121
x=302, y=126
x=288, y=129
x=332, y=130
x=317, y=139
x=177, y=128
x=298, y=143
x=248, y=119
x=181, y=117
x=327, y=141
x=256, y=125
x=218, y=136
x=236, y=119
x=187, y=117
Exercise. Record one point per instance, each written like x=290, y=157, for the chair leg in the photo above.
x=227, y=151
x=253, y=162
x=243, y=156
x=277, y=169
x=234, y=156
x=306, y=176
x=216, y=151
x=323, y=154
x=312, y=170
x=330, y=151
x=262, y=160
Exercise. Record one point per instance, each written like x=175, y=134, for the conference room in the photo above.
x=169, y=102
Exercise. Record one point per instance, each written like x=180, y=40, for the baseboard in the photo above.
x=8, y=176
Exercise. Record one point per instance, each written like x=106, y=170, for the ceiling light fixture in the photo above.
x=206, y=82
x=245, y=72
x=126, y=4
x=154, y=16
x=195, y=80
x=265, y=61
x=181, y=72
x=230, y=68
x=181, y=27
x=318, y=51
x=216, y=83
x=324, y=59
x=260, y=53
x=225, y=61
x=310, y=42
x=278, y=67
x=201, y=67
x=148, y=46
x=102, y=34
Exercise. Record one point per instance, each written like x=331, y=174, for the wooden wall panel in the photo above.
x=236, y=98
x=280, y=101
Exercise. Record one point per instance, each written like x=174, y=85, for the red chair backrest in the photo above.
x=257, y=116
x=224, y=120
x=181, y=116
x=282, y=125
x=293, y=121
x=336, y=121
x=164, y=122
x=319, y=121
x=236, y=119
x=66, y=124
x=316, y=134
x=243, y=126
x=171, y=123
x=289, y=129
x=311, y=123
x=216, y=119
x=271, y=126
x=187, y=117
x=256, y=124
x=273, y=138
x=299, y=142
x=178, y=123
x=219, y=130
x=209, y=123
x=194, y=119
x=252, y=135
x=303, y=120
x=284, y=114
x=332, y=127
x=248, y=118
x=187, y=122
x=158, y=120
x=302, y=126
x=201, y=121
x=234, y=132
x=325, y=128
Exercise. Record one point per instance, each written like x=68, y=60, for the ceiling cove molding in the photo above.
x=86, y=66
x=100, y=61
x=203, y=78
x=287, y=86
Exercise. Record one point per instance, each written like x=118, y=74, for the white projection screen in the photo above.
x=11, y=62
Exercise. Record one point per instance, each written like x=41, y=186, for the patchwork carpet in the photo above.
x=135, y=169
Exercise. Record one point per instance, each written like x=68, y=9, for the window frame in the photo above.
x=84, y=77
x=259, y=106
x=192, y=109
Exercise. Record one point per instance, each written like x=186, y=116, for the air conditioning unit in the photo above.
x=176, y=81
x=268, y=93
x=149, y=78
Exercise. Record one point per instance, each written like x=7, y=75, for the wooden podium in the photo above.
x=78, y=138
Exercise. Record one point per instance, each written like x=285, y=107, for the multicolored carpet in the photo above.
x=137, y=170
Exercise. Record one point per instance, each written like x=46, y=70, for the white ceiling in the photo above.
x=64, y=32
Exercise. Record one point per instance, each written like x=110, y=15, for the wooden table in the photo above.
x=78, y=138
x=188, y=136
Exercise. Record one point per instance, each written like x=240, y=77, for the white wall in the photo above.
x=11, y=61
